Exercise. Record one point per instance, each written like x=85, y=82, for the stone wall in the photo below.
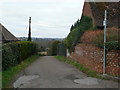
x=92, y=58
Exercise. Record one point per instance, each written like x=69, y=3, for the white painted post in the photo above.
x=104, y=23
x=68, y=54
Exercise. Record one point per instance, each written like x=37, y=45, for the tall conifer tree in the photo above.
x=29, y=34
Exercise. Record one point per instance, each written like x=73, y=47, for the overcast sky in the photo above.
x=50, y=18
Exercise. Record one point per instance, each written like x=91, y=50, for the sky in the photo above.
x=50, y=18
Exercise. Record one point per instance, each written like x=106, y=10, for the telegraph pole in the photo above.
x=105, y=25
x=29, y=34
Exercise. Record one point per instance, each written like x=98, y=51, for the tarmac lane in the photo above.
x=48, y=72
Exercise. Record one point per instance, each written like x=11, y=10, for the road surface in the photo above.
x=47, y=72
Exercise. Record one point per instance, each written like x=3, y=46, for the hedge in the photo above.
x=77, y=31
x=112, y=42
x=15, y=52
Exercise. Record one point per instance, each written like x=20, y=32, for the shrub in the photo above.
x=97, y=38
x=8, y=58
x=113, y=45
x=15, y=52
x=88, y=36
x=77, y=31
x=111, y=42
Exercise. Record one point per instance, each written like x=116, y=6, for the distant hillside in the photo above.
x=96, y=11
x=42, y=42
x=39, y=39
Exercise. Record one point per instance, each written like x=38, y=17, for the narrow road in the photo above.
x=47, y=72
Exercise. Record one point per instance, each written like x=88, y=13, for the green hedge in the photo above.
x=14, y=53
x=77, y=31
x=113, y=45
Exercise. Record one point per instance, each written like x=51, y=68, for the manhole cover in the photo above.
x=24, y=79
x=87, y=81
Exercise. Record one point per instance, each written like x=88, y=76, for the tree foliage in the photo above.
x=15, y=52
x=77, y=31
x=54, y=47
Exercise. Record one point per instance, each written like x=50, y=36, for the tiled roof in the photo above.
x=5, y=35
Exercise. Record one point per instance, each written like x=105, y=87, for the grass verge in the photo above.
x=9, y=74
x=0, y=80
x=87, y=71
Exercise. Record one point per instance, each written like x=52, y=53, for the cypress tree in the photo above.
x=71, y=28
x=29, y=33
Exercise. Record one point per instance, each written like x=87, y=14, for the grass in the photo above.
x=89, y=72
x=9, y=74
x=0, y=80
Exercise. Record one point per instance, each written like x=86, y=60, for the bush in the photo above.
x=88, y=36
x=113, y=45
x=8, y=58
x=14, y=53
x=97, y=38
x=77, y=31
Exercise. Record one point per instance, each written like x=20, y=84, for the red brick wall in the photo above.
x=87, y=11
x=92, y=58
